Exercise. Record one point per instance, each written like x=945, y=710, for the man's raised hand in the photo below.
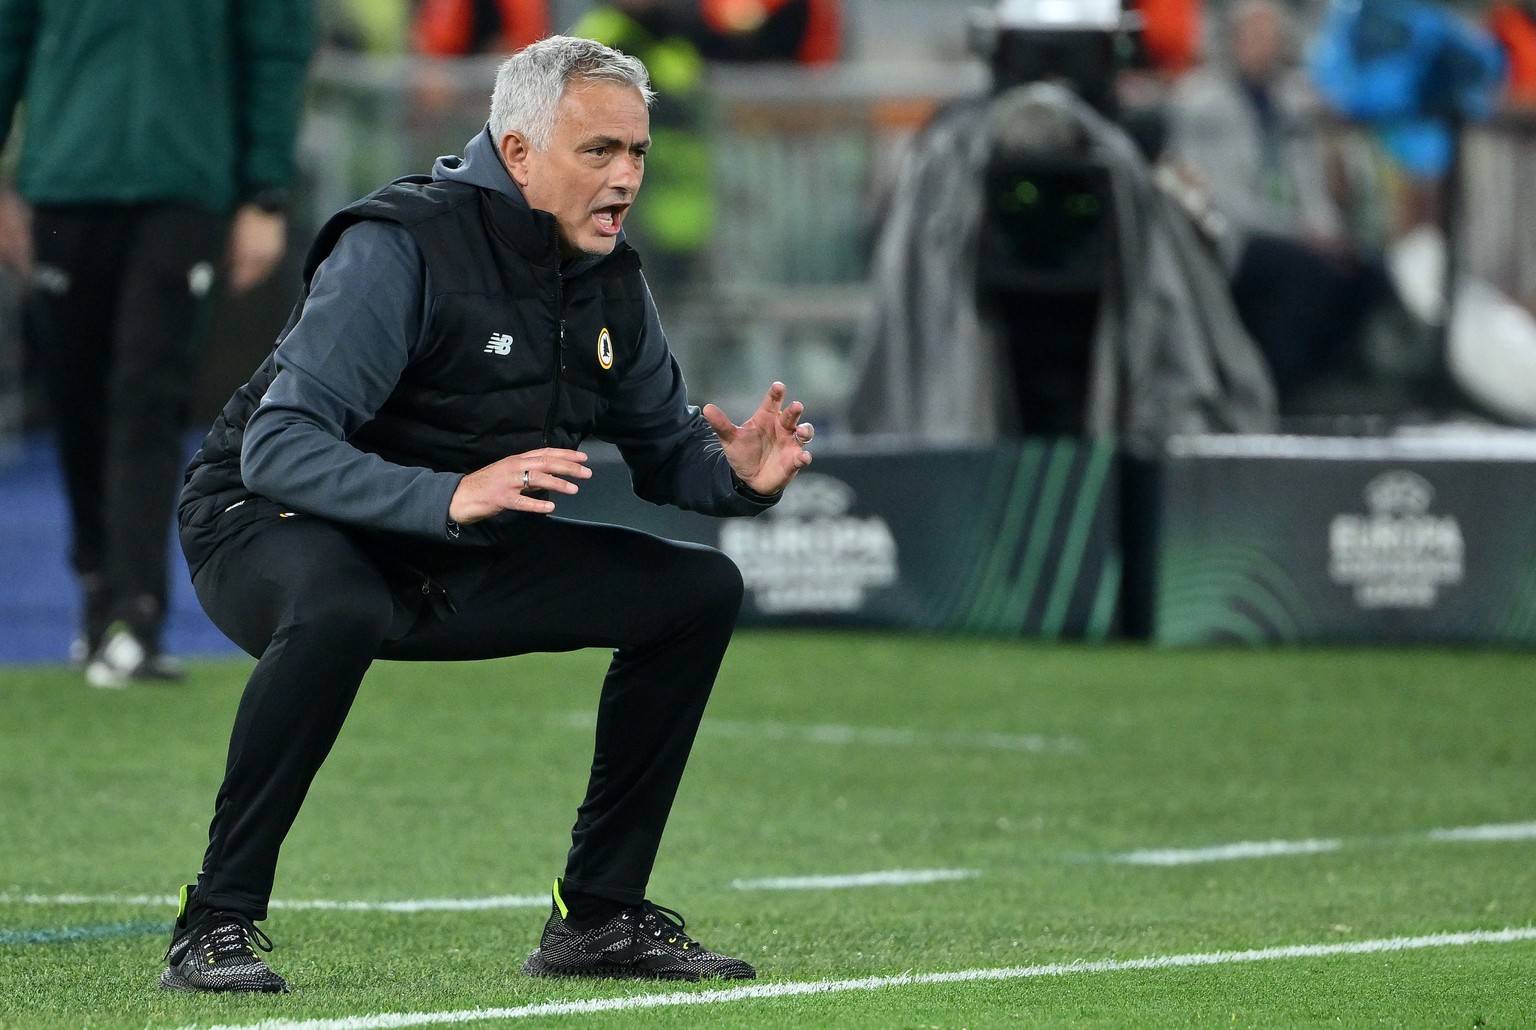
x=769, y=448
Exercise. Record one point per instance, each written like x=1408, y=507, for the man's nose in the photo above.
x=627, y=173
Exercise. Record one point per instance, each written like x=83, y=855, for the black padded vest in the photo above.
x=515, y=355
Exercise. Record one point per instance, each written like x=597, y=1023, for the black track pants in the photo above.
x=315, y=606
x=122, y=286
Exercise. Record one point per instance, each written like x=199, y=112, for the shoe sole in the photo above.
x=106, y=678
x=100, y=675
x=171, y=980
x=535, y=965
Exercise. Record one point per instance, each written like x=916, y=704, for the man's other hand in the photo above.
x=501, y=486
x=15, y=233
x=256, y=242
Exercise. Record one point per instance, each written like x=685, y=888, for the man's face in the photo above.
x=591, y=172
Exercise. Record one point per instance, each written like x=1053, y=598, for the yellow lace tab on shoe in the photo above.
x=559, y=901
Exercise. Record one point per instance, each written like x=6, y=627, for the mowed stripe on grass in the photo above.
x=724, y=996
x=409, y=905
x=1230, y=852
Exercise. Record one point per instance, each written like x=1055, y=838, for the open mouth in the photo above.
x=609, y=219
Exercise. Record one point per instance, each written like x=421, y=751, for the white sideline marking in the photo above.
x=888, y=878
x=1497, y=831
x=1226, y=852
x=835, y=734
x=411, y=905
x=1271, y=848
x=884, y=736
x=90, y=899
x=391, y=1020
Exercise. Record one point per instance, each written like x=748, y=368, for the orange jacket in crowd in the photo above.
x=1170, y=32
x=1515, y=30
x=446, y=28
x=821, y=43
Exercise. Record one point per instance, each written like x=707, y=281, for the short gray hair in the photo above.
x=530, y=83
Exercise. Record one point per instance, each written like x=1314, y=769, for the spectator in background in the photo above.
x=157, y=138
x=1245, y=129
x=679, y=213
x=378, y=27
x=1513, y=24
x=1170, y=32
x=676, y=39
x=458, y=28
x=452, y=29
x=807, y=32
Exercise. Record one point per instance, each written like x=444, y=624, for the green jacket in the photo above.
x=138, y=100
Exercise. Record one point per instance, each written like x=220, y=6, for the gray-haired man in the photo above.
x=382, y=488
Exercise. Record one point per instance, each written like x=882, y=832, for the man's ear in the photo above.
x=515, y=153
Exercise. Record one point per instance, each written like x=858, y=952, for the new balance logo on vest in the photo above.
x=501, y=343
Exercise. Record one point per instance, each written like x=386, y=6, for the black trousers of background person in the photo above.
x=1304, y=308
x=122, y=286
x=316, y=605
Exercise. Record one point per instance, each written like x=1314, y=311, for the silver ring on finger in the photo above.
x=526, y=474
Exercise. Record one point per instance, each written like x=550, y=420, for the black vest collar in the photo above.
x=531, y=234
x=534, y=235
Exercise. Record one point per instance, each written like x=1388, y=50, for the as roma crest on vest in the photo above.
x=605, y=349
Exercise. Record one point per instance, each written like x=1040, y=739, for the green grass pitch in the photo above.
x=1357, y=805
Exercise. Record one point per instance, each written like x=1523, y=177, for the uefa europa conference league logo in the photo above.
x=809, y=553
x=1401, y=554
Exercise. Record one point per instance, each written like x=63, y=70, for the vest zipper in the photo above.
x=554, y=399
x=437, y=597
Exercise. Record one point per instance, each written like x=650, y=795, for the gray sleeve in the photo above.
x=674, y=457
x=336, y=367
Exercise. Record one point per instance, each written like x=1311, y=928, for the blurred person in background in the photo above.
x=677, y=40
x=1170, y=34
x=382, y=489
x=377, y=27
x=1246, y=131
x=459, y=28
x=675, y=224
x=1513, y=24
x=156, y=150
x=804, y=32
x=452, y=31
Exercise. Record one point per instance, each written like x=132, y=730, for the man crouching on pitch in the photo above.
x=382, y=487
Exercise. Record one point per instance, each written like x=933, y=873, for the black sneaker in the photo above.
x=644, y=941
x=218, y=953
